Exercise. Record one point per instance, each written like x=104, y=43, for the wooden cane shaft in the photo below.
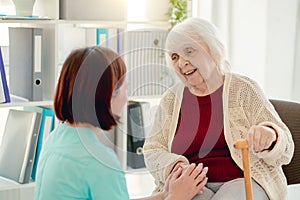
x=247, y=175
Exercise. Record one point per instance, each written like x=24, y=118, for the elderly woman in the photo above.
x=199, y=120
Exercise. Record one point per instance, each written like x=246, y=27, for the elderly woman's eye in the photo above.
x=174, y=57
x=189, y=50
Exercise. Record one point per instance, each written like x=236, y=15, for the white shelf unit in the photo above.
x=59, y=38
x=57, y=47
x=49, y=40
x=58, y=42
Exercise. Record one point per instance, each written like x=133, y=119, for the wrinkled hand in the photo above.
x=260, y=138
x=185, y=166
x=184, y=184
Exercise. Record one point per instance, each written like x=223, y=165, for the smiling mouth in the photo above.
x=190, y=72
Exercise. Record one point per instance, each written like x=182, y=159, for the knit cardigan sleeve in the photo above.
x=247, y=94
x=245, y=105
x=157, y=148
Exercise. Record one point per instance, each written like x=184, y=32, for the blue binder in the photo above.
x=109, y=37
x=3, y=81
x=102, y=37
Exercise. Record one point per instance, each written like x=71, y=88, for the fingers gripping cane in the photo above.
x=243, y=145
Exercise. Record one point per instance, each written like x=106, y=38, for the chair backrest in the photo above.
x=290, y=115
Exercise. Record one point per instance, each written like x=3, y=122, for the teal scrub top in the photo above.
x=74, y=164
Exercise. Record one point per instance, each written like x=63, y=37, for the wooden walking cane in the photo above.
x=243, y=145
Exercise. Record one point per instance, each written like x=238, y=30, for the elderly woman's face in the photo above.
x=192, y=61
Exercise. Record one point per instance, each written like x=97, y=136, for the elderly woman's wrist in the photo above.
x=161, y=195
x=275, y=140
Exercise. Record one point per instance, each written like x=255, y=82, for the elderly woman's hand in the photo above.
x=184, y=166
x=185, y=183
x=261, y=138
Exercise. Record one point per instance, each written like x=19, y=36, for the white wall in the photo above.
x=263, y=41
x=280, y=55
x=296, y=86
x=247, y=41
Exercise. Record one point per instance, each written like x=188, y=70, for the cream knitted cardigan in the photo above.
x=244, y=105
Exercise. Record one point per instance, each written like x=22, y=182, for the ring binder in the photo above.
x=47, y=125
x=18, y=147
x=137, y=124
x=25, y=55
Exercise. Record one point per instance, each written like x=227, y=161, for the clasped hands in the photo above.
x=186, y=180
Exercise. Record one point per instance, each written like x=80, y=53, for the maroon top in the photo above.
x=200, y=136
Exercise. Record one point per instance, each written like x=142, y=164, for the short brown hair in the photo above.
x=87, y=81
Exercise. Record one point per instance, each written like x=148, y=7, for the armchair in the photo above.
x=289, y=112
x=290, y=115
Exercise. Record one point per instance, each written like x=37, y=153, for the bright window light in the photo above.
x=7, y=7
x=136, y=10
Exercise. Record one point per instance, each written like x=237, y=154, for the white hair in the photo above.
x=201, y=31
